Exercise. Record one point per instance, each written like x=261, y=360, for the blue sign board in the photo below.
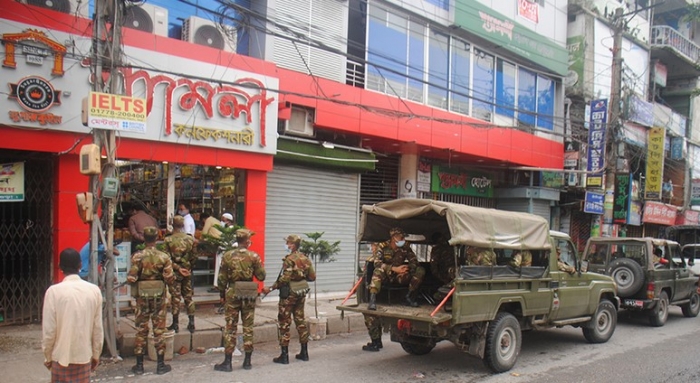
x=596, y=142
x=594, y=203
x=677, y=144
x=640, y=111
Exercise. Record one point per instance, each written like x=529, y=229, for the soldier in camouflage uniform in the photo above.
x=478, y=256
x=521, y=258
x=295, y=267
x=239, y=265
x=180, y=246
x=395, y=262
x=442, y=259
x=150, y=264
x=372, y=322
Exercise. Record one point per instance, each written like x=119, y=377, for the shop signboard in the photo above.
x=622, y=198
x=189, y=102
x=659, y=213
x=529, y=10
x=695, y=191
x=640, y=111
x=655, y=163
x=576, y=47
x=116, y=112
x=677, y=146
x=634, y=134
x=596, y=143
x=12, y=182
x=660, y=74
x=455, y=181
x=481, y=20
x=593, y=203
x=423, y=177
x=553, y=180
x=688, y=217
x=635, y=216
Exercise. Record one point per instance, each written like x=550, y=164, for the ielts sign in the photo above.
x=114, y=112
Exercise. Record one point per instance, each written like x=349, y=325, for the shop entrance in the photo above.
x=26, y=241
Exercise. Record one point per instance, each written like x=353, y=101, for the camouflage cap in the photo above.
x=179, y=221
x=150, y=233
x=292, y=238
x=243, y=234
x=396, y=231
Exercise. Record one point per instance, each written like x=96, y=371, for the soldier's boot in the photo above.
x=224, y=366
x=284, y=356
x=410, y=300
x=304, y=354
x=246, y=361
x=372, y=302
x=176, y=324
x=161, y=367
x=373, y=346
x=190, y=326
x=138, y=367
x=379, y=343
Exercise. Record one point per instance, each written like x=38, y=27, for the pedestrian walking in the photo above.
x=72, y=333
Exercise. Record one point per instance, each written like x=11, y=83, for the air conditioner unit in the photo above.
x=208, y=33
x=74, y=7
x=147, y=18
x=301, y=123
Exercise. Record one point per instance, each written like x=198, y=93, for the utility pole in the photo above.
x=614, y=122
x=106, y=50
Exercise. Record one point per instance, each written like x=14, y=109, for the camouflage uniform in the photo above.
x=150, y=264
x=374, y=326
x=442, y=263
x=385, y=258
x=477, y=256
x=521, y=258
x=564, y=267
x=239, y=265
x=181, y=246
x=295, y=267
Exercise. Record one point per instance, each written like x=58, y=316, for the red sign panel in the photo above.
x=529, y=10
x=688, y=217
x=659, y=213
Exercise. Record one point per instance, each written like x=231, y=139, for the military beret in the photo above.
x=179, y=221
x=292, y=238
x=243, y=234
x=396, y=231
x=150, y=231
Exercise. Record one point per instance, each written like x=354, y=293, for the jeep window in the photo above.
x=597, y=254
x=567, y=253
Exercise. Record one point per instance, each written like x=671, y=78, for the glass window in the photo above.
x=527, y=96
x=505, y=88
x=416, y=61
x=483, y=85
x=438, y=69
x=460, y=71
x=545, y=103
x=387, y=47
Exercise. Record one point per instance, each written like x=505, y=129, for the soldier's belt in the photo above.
x=245, y=290
x=299, y=287
x=148, y=289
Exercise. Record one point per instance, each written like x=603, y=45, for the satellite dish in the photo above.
x=137, y=18
x=55, y=5
x=210, y=36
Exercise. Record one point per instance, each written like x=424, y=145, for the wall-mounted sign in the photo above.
x=553, y=180
x=695, y=192
x=640, y=111
x=688, y=217
x=12, y=182
x=455, y=181
x=116, y=112
x=596, y=142
x=622, y=198
x=530, y=10
x=677, y=148
x=593, y=203
x=660, y=74
x=655, y=163
x=659, y=213
x=423, y=176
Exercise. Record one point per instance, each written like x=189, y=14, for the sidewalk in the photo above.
x=209, y=325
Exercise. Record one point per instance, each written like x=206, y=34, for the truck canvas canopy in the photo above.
x=467, y=225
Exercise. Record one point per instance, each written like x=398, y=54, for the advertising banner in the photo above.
x=423, y=176
x=12, y=182
x=455, y=181
x=530, y=10
x=593, y=203
x=659, y=213
x=596, y=142
x=655, y=163
x=116, y=112
x=576, y=47
x=695, y=192
x=622, y=198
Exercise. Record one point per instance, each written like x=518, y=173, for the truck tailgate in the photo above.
x=421, y=313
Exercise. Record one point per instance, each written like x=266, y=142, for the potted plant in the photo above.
x=318, y=250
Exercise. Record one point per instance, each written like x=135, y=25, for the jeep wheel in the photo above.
x=659, y=313
x=417, y=349
x=503, y=341
x=628, y=275
x=692, y=308
x=603, y=324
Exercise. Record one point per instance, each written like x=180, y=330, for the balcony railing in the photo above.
x=662, y=35
x=355, y=74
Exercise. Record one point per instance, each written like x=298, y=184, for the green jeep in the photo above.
x=650, y=273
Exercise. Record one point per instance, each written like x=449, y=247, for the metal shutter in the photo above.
x=539, y=207
x=303, y=200
x=381, y=184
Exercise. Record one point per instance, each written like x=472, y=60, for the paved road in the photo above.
x=636, y=353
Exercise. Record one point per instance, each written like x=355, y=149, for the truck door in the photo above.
x=573, y=289
x=683, y=278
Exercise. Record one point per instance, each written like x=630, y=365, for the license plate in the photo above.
x=634, y=303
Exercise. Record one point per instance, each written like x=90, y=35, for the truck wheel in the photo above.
x=628, y=275
x=603, y=323
x=417, y=349
x=503, y=341
x=659, y=314
x=692, y=308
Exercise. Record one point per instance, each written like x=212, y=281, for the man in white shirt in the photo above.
x=184, y=211
x=72, y=324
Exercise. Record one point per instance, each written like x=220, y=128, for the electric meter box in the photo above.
x=90, y=159
x=110, y=187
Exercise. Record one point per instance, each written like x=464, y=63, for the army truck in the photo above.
x=485, y=308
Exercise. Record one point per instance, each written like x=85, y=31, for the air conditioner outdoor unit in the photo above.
x=208, y=33
x=73, y=7
x=301, y=123
x=148, y=18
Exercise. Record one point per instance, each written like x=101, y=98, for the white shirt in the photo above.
x=189, y=224
x=72, y=322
